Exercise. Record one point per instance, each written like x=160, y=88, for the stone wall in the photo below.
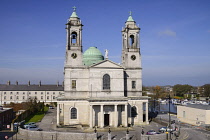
x=49, y=135
x=163, y=136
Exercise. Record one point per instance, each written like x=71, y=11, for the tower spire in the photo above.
x=74, y=14
x=130, y=18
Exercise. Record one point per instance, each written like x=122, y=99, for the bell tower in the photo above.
x=131, y=57
x=74, y=41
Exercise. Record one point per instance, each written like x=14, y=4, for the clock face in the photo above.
x=74, y=55
x=133, y=57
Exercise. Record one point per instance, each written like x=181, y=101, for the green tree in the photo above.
x=180, y=90
x=206, y=90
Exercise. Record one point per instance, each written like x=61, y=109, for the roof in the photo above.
x=130, y=18
x=74, y=14
x=31, y=88
x=92, y=56
x=199, y=106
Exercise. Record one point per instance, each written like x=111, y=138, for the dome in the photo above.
x=92, y=56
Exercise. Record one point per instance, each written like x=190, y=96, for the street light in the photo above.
x=169, y=116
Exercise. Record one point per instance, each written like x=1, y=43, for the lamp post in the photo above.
x=169, y=125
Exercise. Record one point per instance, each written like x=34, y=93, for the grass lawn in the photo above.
x=36, y=117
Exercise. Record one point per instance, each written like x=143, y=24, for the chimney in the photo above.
x=57, y=83
x=29, y=83
x=16, y=82
x=40, y=83
x=8, y=83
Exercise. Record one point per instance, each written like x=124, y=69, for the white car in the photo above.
x=165, y=129
x=30, y=124
x=33, y=128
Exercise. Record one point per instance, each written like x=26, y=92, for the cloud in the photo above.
x=167, y=33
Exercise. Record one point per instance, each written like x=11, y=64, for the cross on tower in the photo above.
x=74, y=8
x=130, y=13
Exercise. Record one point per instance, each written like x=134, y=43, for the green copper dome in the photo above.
x=92, y=56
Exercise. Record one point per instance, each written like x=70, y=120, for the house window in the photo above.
x=133, y=111
x=53, y=92
x=10, y=92
x=23, y=97
x=47, y=97
x=74, y=113
x=183, y=114
x=10, y=97
x=35, y=92
x=133, y=84
x=23, y=92
x=41, y=92
x=41, y=97
x=17, y=97
x=29, y=93
x=17, y=93
x=106, y=81
x=5, y=93
x=73, y=84
x=5, y=97
x=53, y=97
x=47, y=92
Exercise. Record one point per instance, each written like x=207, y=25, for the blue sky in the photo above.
x=175, y=37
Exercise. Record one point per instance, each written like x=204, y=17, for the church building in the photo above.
x=97, y=91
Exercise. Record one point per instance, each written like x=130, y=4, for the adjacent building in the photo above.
x=195, y=114
x=98, y=91
x=21, y=93
x=6, y=117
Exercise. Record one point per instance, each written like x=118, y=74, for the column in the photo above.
x=102, y=116
x=147, y=113
x=58, y=114
x=116, y=116
x=91, y=116
x=126, y=115
x=63, y=109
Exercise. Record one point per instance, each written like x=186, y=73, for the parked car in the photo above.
x=151, y=132
x=165, y=129
x=34, y=128
x=51, y=107
x=30, y=124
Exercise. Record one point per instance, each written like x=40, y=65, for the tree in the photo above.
x=180, y=90
x=157, y=90
x=206, y=90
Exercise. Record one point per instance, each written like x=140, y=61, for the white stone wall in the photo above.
x=82, y=112
x=134, y=75
x=116, y=82
x=193, y=115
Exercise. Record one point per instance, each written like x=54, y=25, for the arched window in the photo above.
x=73, y=113
x=73, y=37
x=131, y=40
x=133, y=111
x=106, y=81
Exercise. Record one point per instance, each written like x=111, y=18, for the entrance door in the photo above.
x=106, y=119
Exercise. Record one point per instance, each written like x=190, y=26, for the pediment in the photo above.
x=107, y=64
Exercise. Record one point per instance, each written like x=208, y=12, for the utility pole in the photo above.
x=169, y=125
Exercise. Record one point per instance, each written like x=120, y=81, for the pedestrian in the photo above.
x=142, y=132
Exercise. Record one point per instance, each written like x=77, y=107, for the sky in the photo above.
x=174, y=38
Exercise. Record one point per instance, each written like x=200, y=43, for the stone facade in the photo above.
x=194, y=114
x=103, y=93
